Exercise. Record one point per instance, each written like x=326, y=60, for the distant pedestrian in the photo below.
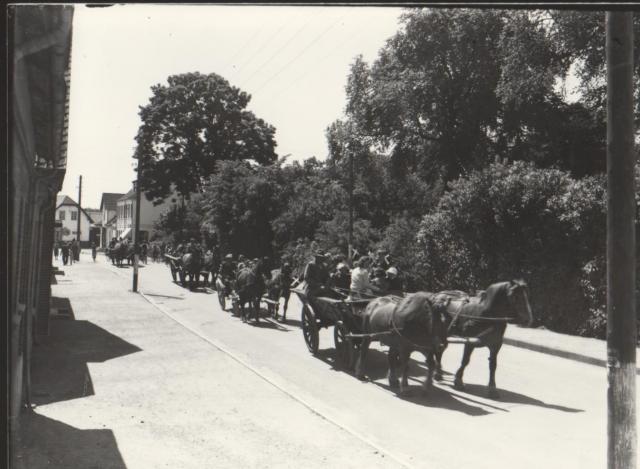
x=65, y=253
x=94, y=251
x=56, y=250
x=75, y=250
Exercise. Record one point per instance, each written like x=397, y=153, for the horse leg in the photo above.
x=466, y=356
x=392, y=356
x=493, y=364
x=431, y=364
x=405, y=354
x=364, y=348
x=256, y=307
x=438, y=363
x=284, y=311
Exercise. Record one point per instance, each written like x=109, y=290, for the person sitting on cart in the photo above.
x=380, y=281
x=395, y=282
x=341, y=278
x=381, y=261
x=316, y=276
x=361, y=287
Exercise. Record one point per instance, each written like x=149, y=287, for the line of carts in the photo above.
x=317, y=313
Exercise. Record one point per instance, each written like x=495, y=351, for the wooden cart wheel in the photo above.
x=310, y=330
x=344, y=346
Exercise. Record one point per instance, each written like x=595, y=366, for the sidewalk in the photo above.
x=582, y=349
x=117, y=384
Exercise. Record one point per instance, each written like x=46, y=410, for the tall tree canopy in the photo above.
x=454, y=89
x=189, y=125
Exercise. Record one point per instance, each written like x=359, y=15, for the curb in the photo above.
x=556, y=352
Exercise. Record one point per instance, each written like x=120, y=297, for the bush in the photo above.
x=515, y=220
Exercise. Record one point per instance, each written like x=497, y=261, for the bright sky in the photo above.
x=294, y=62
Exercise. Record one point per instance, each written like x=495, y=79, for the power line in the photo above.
x=307, y=71
x=241, y=48
x=301, y=52
x=280, y=49
x=264, y=44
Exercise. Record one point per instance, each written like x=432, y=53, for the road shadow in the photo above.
x=164, y=296
x=293, y=322
x=511, y=397
x=45, y=442
x=376, y=371
x=61, y=308
x=375, y=368
x=438, y=398
x=59, y=363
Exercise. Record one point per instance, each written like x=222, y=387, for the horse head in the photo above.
x=516, y=294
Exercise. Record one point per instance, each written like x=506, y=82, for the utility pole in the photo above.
x=621, y=249
x=136, y=229
x=79, y=209
x=350, y=240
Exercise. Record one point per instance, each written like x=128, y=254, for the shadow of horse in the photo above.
x=510, y=397
x=376, y=361
x=267, y=322
x=437, y=398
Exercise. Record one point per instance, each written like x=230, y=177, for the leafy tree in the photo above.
x=240, y=200
x=189, y=125
x=453, y=89
x=516, y=220
x=181, y=222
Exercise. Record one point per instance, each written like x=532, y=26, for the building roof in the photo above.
x=109, y=200
x=129, y=195
x=62, y=199
x=95, y=214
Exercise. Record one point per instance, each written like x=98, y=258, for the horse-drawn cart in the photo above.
x=342, y=313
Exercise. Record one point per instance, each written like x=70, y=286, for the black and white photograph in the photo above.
x=254, y=235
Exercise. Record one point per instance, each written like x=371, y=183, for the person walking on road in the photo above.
x=56, y=250
x=65, y=253
x=93, y=251
x=75, y=250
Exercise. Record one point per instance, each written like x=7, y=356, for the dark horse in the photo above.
x=279, y=286
x=406, y=326
x=210, y=266
x=249, y=288
x=484, y=318
x=191, y=267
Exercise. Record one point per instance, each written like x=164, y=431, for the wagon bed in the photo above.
x=323, y=312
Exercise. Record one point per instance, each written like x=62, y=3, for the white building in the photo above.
x=149, y=214
x=109, y=209
x=67, y=216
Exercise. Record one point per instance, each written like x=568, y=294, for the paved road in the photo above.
x=551, y=413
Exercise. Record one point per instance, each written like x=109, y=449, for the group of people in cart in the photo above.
x=325, y=275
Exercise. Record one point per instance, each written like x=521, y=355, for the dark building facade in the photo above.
x=39, y=57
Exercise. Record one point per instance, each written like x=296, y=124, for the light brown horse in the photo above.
x=483, y=318
x=411, y=324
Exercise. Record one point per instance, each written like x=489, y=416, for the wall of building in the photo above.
x=72, y=225
x=149, y=214
x=38, y=86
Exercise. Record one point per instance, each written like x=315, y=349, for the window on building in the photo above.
x=74, y=215
x=61, y=215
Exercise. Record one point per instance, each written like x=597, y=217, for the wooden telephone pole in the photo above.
x=136, y=231
x=621, y=249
